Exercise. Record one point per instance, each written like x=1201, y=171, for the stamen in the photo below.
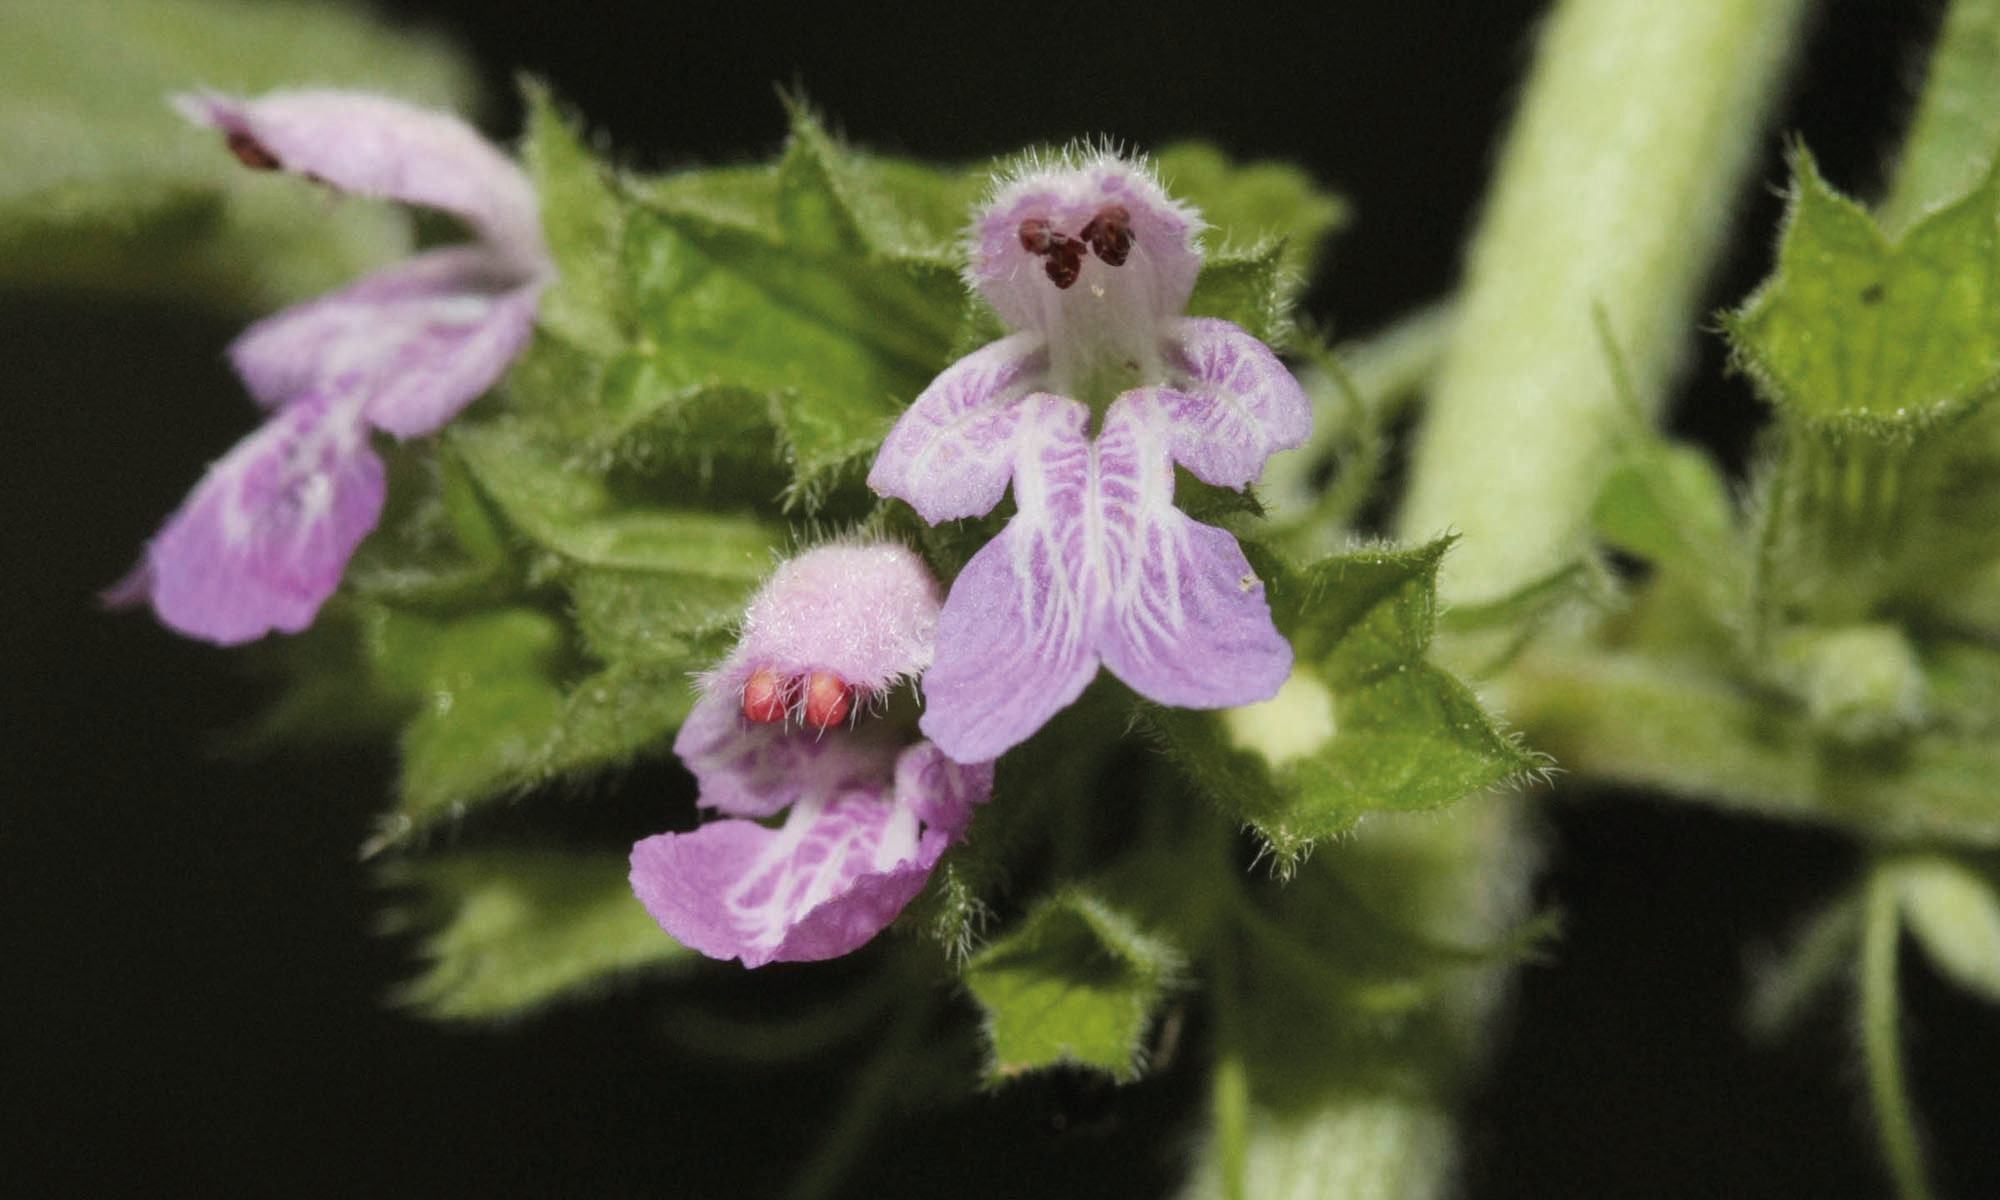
x=1063, y=252
x=1065, y=261
x=251, y=152
x=1110, y=234
x=828, y=700
x=764, y=697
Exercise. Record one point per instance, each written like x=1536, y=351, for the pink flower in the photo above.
x=797, y=723
x=265, y=536
x=1093, y=264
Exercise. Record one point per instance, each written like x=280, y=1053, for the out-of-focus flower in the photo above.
x=265, y=536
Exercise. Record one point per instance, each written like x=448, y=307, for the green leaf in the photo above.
x=1251, y=288
x=584, y=221
x=501, y=709
x=508, y=931
x=1371, y=945
x=648, y=583
x=613, y=715
x=829, y=284
x=1076, y=982
x=645, y=616
x=1668, y=504
x=1853, y=332
x=106, y=187
x=1249, y=204
x=1269, y=222
x=1954, y=911
x=1364, y=725
x=488, y=693
x=576, y=515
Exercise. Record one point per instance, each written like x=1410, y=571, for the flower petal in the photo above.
x=1187, y=623
x=1156, y=273
x=1016, y=637
x=1230, y=404
x=413, y=343
x=263, y=539
x=747, y=769
x=377, y=146
x=942, y=792
x=951, y=453
x=835, y=874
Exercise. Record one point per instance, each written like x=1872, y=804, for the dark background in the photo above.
x=193, y=990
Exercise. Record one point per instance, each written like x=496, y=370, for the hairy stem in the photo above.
x=1631, y=140
x=1881, y=1045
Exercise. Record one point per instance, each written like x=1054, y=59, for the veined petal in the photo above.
x=263, y=539
x=951, y=453
x=1229, y=403
x=835, y=874
x=377, y=146
x=453, y=350
x=1097, y=565
x=413, y=343
x=746, y=769
x=1016, y=637
x=1187, y=624
x=942, y=792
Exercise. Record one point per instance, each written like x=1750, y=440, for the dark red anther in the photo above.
x=828, y=700
x=1036, y=236
x=1110, y=234
x=764, y=697
x=1065, y=261
x=251, y=152
x=1064, y=254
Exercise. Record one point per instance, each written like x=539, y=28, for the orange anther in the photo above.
x=764, y=697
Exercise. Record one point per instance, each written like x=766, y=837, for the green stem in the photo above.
x=1229, y=1086
x=1888, y=1091
x=1632, y=138
x=1957, y=126
x=860, y=1110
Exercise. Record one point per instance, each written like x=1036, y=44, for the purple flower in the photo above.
x=263, y=539
x=795, y=722
x=1093, y=264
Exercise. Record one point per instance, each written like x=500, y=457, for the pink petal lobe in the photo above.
x=1016, y=638
x=832, y=876
x=262, y=541
x=1187, y=623
x=1229, y=404
x=415, y=342
x=950, y=454
x=749, y=769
